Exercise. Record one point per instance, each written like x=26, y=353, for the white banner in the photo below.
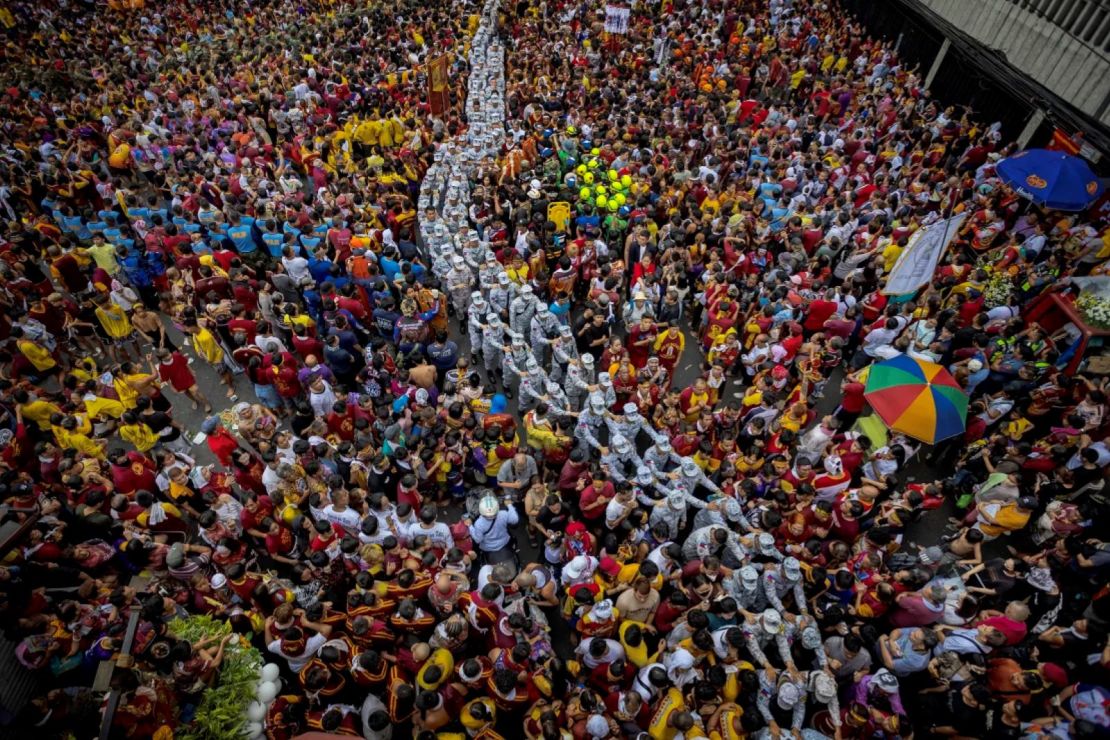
x=919, y=259
x=616, y=19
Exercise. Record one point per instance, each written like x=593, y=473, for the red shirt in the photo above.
x=1014, y=630
x=137, y=475
x=352, y=305
x=280, y=543
x=590, y=496
x=410, y=496
x=851, y=398
x=819, y=312
x=250, y=520
x=177, y=373
x=223, y=446
x=243, y=326
x=305, y=346
x=840, y=328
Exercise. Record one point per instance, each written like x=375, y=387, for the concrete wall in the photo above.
x=1063, y=44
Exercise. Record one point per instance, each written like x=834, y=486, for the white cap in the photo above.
x=597, y=726
x=788, y=696
x=749, y=576
x=579, y=566
x=824, y=687
x=791, y=568
x=603, y=610
x=771, y=620
x=620, y=444
x=732, y=509
x=630, y=409
x=489, y=506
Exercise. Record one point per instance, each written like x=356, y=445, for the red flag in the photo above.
x=1061, y=142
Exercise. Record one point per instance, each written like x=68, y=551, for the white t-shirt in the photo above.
x=613, y=650
x=296, y=663
x=348, y=519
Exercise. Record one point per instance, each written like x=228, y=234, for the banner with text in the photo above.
x=919, y=259
x=616, y=19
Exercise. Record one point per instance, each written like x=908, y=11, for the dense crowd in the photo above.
x=524, y=428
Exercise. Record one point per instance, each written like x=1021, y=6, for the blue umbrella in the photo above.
x=1051, y=179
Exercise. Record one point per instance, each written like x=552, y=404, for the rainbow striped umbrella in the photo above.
x=917, y=398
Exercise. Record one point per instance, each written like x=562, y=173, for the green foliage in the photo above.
x=222, y=714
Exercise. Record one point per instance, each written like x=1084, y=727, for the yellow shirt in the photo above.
x=38, y=356
x=98, y=406
x=171, y=511
x=890, y=256
x=39, y=412
x=207, y=346
x=140, y=435
x=120, y=156
x=114, y=320
x=76, y=440
x=105, y=257
x=518, y=275
x=127, y=394
x=1006, y=519
x=368, y=133
x=672, y=702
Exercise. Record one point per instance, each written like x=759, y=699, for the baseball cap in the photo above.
x=1054, y=674
x=824, y=687
x=788, y=696
x=176, y=556
x=885, y=680
x=610, y=566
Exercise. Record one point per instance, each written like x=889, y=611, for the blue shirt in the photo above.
x=320, y=269
x=390, y=268
x=242, y=238
x=911, y=661
x=491, y=535
x=273, y=242
x=443, y=356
